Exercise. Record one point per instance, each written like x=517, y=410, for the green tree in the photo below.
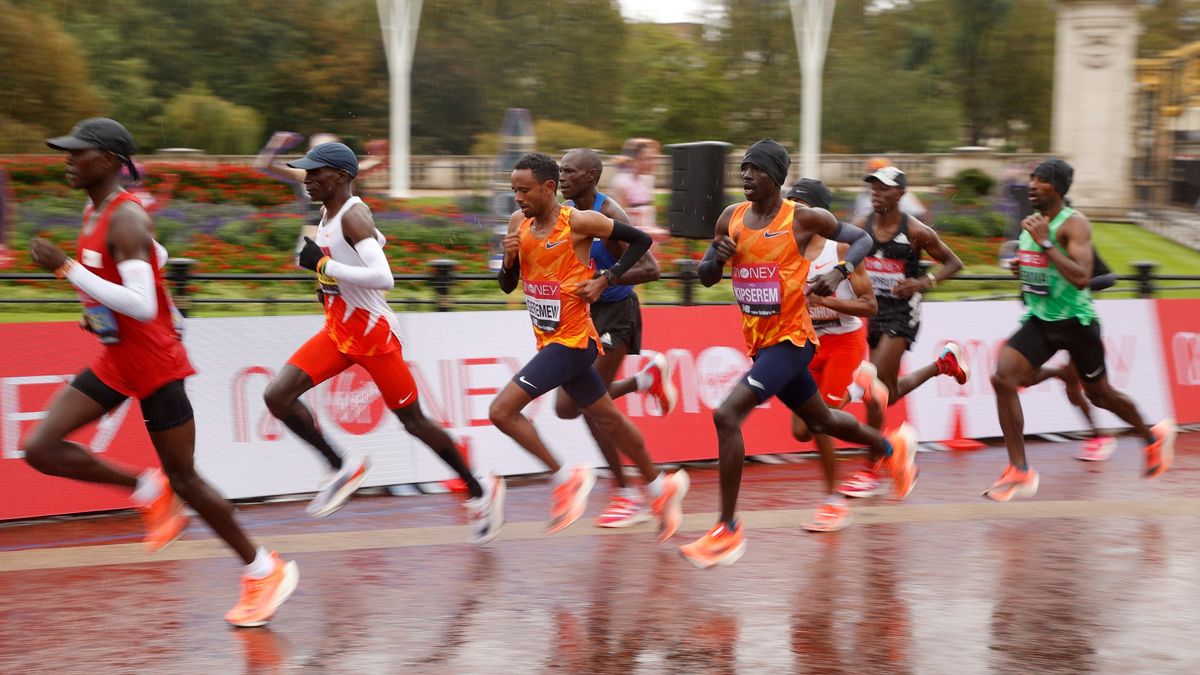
x=758, y=48
x=197, y=119
x=1167, y=24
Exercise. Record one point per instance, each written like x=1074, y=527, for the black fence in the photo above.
x=443, y=279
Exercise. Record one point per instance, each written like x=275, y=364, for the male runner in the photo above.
x=618, y=319
x=764, y=237
x=548, y=247
x=360, y=328
x=894, y=265
x=843, y=346
x=118, y=277
x=1056, y=265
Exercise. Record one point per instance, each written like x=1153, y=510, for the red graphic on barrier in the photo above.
x=354, y=402
x=269, y=428
x=1180, y=331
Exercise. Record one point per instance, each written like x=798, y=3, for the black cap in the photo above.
x=101, y=133
x=770, y=156
x=812, y=192
x=890, y=176
x=333, y=155
x=1057, y=173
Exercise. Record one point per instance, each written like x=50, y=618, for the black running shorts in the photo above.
x=619, y=323
x=1039, y=340
x=900, y=318
x=168, y=407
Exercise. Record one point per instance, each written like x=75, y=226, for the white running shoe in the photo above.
x=339, y=488
x=487, y=512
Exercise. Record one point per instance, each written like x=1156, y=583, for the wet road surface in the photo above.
x=1098, y=573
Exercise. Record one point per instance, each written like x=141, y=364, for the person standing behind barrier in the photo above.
x=837, y=321
x=118, y=277
x=894, y=266
x=618, y=320
x=360, y=328
x=633, y=185
x=1056, y=266
x=548, y=246
x=764, y=238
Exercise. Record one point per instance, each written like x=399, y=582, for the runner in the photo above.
x=843, y=346
x=118, y=277
x=894, y=265
x=1056, y=265
x=618, y=320
x=764, y=238
x=360, y=328
x=559, y=285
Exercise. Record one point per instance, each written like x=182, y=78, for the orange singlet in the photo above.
x=551, y=272
x=769, y=275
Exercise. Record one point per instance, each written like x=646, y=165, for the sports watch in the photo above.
x=844, y=267
x=1046, y=244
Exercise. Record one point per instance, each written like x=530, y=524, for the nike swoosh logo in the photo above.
x=1096, y=372
x=818, y=268
x=405, y=399
x=755, y=383
x=522, y=379
x=776, y=233
x=552, y=244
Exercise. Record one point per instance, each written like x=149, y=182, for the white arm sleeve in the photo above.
x=134, y=296
x=375, y=273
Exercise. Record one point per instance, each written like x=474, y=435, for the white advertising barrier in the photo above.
x=1134, y=359
x=460, y=361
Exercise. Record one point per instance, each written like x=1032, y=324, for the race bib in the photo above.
x=1035, y=272
x=884, y=273
x=824, y=317
x=543, y=299
x=757, y=288
x=101, y=321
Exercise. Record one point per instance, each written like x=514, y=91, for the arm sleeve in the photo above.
x=374, y=274
x=134, y=296
x=639, y=242
x=859, y=240
x=508, y=277
x=710, y=270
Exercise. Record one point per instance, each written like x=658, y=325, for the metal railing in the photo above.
x=442, y=279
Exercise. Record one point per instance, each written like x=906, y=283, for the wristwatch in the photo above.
x=608, y=276
x=844, y=267
x=1046, y=244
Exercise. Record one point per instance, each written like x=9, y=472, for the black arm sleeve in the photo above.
x=508, y=278
x=639, y=242
x=711, y=269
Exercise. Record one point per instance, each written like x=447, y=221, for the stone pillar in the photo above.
x=1094, y=85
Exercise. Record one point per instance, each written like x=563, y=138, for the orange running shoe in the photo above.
x=904, y=460
x=669, y=505
x=569, y=500
x=829, y=517
x=1161, y=453
x=261, y=597
x=867, y=378
x=719, y=546
x=662, y=388
x=1013, y=483
x=164, y=517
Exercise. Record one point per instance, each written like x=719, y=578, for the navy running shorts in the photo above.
x=561, y=366
x=781, y=370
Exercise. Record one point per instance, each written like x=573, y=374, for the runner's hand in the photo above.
x=827, y=283
x=512, y=248
x=310, y=255
x=46, y=255
x=906, y=288
x=590, y=290
x=724, y=247
x=1038, y=227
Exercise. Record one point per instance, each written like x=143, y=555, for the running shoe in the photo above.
x=1013, y=483
x=829, y=517
x=719, y=546
x=568, y=501
x=339, y=488
x=624, y=510
x=903, y=460
x=864, y=482
x=164, y=517
x=1097, y=449
x=261, y=597
x=867, y=378
x=950, y=363
x=662, y=388
x=1161, y=452
x=486, y=514
x=669, y=505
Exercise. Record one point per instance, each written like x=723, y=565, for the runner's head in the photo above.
x=1049, y=183
x=887, y=187
x=811, y=192
x=535, y=183
x=329, y=170
x=764, y=169
x=99, y=148
x=579, y=172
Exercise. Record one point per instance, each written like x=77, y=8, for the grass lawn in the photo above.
x=1119, y=244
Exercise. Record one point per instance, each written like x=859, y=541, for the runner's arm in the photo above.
x=646, y=269
x=712, y=266
x=510, y=269
x=131, y=246
x=1076, y=263
x=863, y=303
x=594, y=224
x=359, y=227
x=929, y=240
